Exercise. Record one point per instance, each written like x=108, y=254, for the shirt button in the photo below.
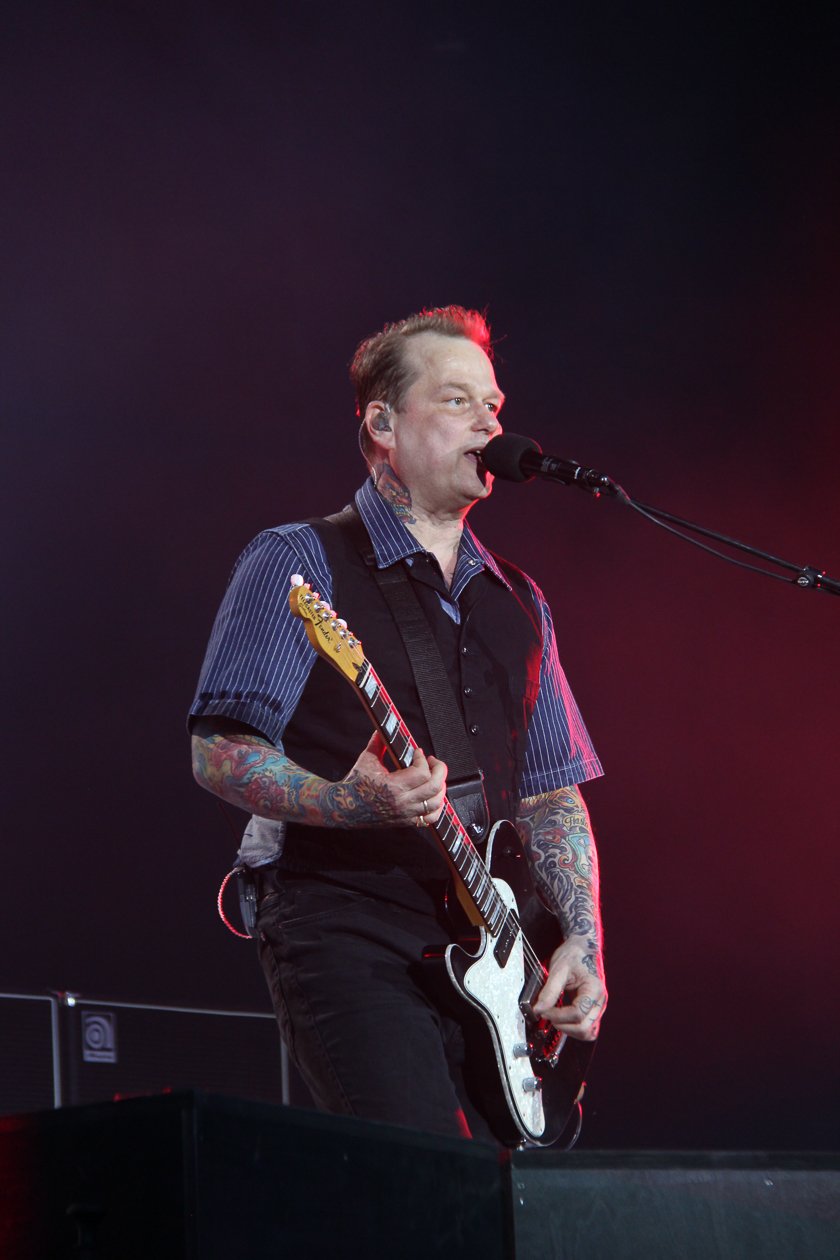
x=468, y=691
x=474, y=729
x=465, y=651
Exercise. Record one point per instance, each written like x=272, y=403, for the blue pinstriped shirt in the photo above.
x=258, y=658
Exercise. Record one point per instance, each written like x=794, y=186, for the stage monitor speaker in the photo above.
x=187, y=1177
x=697, y=1205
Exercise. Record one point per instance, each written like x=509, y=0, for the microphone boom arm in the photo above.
x=516, y=458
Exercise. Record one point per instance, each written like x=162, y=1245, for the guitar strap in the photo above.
x=465, y=781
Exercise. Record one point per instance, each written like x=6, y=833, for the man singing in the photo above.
x=352, y=885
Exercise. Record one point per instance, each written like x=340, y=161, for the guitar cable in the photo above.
x=247, y=890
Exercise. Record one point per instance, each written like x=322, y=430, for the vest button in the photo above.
x=468, y=691
x=474, y=729
x=465, y=651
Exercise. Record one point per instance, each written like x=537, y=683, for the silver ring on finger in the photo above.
x=425, y=807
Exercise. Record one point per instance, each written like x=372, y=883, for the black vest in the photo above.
x=493, y=662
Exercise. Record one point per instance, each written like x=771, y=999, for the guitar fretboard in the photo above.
x=448, y=828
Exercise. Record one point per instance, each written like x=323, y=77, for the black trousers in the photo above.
x=374, y=1030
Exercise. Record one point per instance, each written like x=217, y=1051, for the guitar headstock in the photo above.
x=327, y=633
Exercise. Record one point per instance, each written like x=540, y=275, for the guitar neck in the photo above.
x=448, y=828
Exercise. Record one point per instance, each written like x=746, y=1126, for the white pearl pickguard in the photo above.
x=495, y=991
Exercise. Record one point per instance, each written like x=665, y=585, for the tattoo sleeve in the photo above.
x=249, y=772
x=557, y=836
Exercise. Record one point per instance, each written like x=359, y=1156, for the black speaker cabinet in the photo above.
x=59, y=1049
x=187, y=1177
x=201, y=1178
x=30, y=1057
x=653, y=1205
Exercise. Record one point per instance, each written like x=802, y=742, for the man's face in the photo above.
x=449, y=413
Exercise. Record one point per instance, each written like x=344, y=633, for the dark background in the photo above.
x=204, y=208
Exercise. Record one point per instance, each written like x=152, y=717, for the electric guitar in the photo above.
x=538, y=1078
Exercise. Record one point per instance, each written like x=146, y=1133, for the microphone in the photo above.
x=516, y=458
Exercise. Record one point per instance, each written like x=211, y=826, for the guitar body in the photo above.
x=532, y=1076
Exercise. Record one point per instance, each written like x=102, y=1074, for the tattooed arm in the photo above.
x=242, y=767
x=558, y=838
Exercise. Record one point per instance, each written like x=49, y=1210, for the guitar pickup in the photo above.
x=506, y=939
x=527, y=996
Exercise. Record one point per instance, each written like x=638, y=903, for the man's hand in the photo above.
x=572, y=969
x=394, y=798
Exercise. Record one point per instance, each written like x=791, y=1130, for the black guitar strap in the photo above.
x=465, y=781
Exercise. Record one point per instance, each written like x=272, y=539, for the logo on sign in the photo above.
x=99, y=1037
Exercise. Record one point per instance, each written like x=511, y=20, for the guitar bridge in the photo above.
x=548, y=1044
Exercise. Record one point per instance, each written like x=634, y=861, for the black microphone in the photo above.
x=516, y=458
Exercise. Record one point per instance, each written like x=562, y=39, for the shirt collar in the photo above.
x=392, y=541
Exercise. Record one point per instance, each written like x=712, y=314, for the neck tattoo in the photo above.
x=395, y=492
